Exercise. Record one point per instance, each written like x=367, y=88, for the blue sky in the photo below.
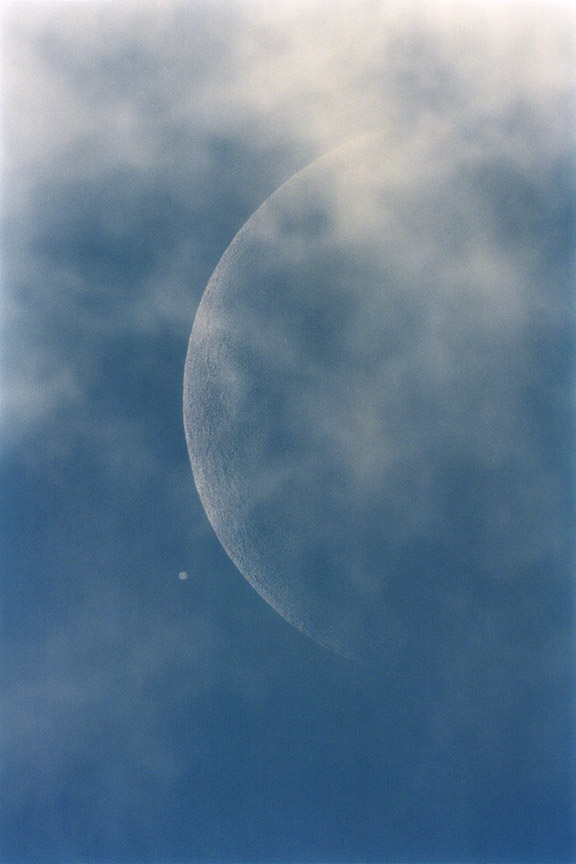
x=147, y=718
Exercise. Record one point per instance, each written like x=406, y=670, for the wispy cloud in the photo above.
x=132, y=126
x=137, y=140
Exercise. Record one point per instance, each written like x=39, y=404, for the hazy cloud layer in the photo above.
x=147, y=719
x=127, y=128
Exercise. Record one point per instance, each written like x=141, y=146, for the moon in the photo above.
x=352, y=401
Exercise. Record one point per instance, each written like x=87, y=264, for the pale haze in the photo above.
x=287, y=432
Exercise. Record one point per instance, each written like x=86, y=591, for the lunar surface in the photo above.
x=359, y=401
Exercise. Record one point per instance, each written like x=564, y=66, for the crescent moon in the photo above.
x=348, y=366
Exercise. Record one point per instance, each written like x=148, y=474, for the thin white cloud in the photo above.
x=93, y=89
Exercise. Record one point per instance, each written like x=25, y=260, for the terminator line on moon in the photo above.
x=360, y=350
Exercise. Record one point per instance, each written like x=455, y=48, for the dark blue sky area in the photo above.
x=148, y=719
